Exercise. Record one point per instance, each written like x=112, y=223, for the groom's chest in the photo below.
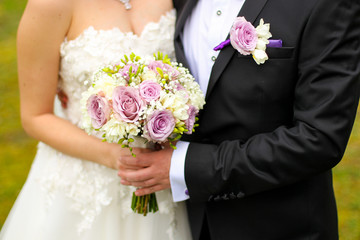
x=207, y=25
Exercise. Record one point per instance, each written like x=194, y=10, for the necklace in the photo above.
x=126, y=3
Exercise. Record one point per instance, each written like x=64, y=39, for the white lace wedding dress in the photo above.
x=65, y=198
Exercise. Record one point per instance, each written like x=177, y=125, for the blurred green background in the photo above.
x=17, y=150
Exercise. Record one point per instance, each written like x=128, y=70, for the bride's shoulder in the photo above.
x=44, y=13
x=50, y=8
x=45, y=20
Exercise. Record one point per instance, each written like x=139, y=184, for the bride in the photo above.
x=73, y=191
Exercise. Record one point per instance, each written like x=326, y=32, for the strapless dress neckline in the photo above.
x=116, y=30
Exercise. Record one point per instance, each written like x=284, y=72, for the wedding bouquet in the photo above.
x=151, y=98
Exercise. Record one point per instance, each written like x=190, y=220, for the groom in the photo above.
x=259, y=166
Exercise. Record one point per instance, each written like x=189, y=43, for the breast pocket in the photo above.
x=275, y=53
x=280, y=53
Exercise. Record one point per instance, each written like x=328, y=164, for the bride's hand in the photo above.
x=118, y=153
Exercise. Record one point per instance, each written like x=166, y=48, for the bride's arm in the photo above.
x=41, y=31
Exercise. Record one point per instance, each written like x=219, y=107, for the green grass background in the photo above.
x=17, y=150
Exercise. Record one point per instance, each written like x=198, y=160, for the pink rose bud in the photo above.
x=150, y=90
x=126, y=69
x=243, y=36
x=99, y=110
x=189, y=123
x=159, y=126
x=127, y=103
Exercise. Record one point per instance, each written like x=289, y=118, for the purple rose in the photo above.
x=126, y=69
x=166, y=68
x=99, y=110
x=127, y=103
x=159, y=126
x=189, y=123
x=149, y=90
x=243, y=36
x=156, y=64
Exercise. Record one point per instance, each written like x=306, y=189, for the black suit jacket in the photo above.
x=259, y=165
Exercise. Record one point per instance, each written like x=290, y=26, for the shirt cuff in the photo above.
x=177, y=173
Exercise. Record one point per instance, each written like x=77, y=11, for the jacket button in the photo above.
x=217, y=199
x=240, y=195
x=225, y=197
x=232, y=196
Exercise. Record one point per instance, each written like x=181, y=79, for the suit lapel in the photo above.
x=184, y=9
x=183, y=15
x=250, y=11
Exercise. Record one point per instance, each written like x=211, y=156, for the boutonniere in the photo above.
x=247, y=39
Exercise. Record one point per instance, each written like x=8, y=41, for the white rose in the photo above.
x=176, y=103
x=149, y=75
x=105, y=84
x=114, y=130
x=197, y=100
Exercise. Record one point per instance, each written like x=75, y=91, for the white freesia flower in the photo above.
x=260, y=56
x=261, y=44
x=263, y=30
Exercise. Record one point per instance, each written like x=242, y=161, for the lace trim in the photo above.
x=168, y=16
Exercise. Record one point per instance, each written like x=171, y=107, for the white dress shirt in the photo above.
x=208, y=25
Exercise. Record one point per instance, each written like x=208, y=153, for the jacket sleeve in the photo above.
x=325, y=105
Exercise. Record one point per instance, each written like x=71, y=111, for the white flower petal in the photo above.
x=260, y=56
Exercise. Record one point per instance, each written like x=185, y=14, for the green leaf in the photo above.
x=177, y=137
x=132, y=56
x=160, y=71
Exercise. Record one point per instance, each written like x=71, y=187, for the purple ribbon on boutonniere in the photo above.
x=247, y=39
x=273, y=43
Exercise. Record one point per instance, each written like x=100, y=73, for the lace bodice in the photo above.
x=91, y=186
x=94, y=48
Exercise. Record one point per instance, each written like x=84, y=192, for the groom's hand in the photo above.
x=153, y=172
